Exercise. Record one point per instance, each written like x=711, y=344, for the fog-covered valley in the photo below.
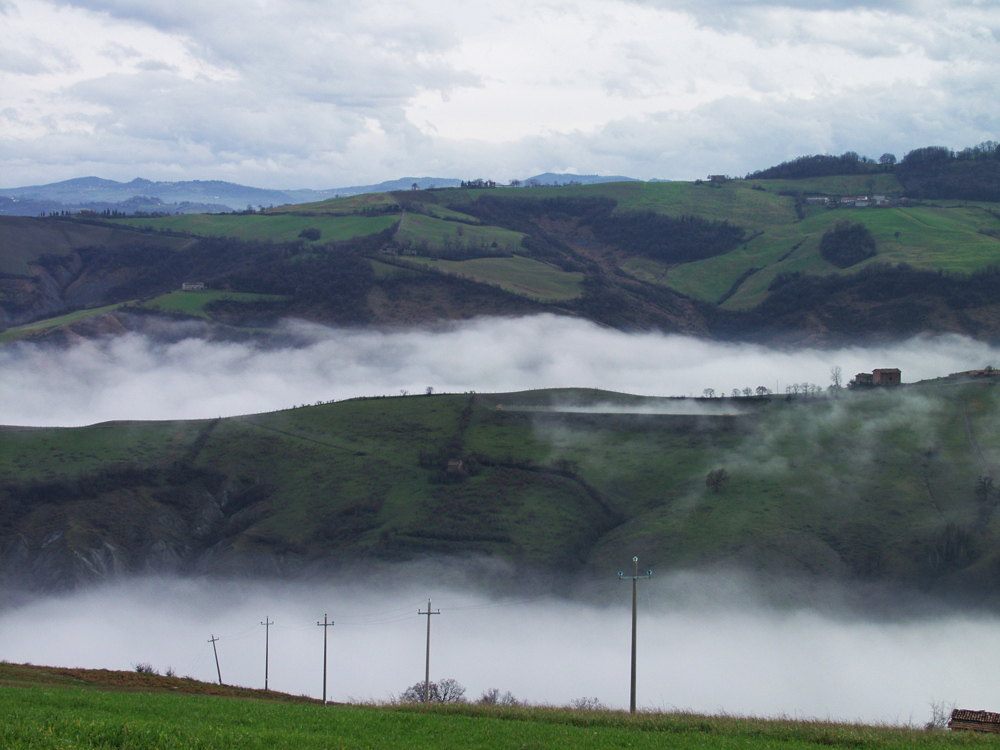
x=133, y=377
x=705, y=643
x=709, y=642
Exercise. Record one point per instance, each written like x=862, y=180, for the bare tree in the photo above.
x=748, y=392
x=763, y=390
x=493, y=697
x=708, y=393
x=736, y=392
x=716, y=478
x=587, y=704
x=836, y=377
x=984, y=485
x=445, y=691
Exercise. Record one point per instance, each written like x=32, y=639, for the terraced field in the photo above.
x=517, y=274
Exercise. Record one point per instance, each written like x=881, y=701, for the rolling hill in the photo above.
x=884, y=487
x=725, y=259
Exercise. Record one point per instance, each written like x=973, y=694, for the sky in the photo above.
x=135, y=377
x=306, y=94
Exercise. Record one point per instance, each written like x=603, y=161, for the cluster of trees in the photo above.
x=806, y=389
x=825, y=165
x=666, y=238
x=937, y=172
x=449, y=690
x=760, y=391
x=931, y=172
x=847, y=244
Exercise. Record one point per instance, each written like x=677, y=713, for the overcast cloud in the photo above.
x=291, y=93
x=132, y=377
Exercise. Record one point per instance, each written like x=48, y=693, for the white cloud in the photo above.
x=132, y=377
x=283, y=92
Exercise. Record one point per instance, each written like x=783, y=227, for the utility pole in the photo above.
x=427, y=665
x=324, y=625
x=267, y=627
x=212, y=641
x=635, y=577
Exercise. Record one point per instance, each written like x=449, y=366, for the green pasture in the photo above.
x=273, y=226
x=390, y=271
x=349, y=206
x=194, y=302
x=23, y=239
x=430, y=233
x=442, y=212
x=733, y=201
x=842, y=185
x=864, y=483
x=518, y=274
x=42, y=717
x=30, y=329
x=931, y=237
x=37, y=454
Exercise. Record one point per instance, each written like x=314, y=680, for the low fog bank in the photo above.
x=678, y=407
x=705, y=644
x=136, y=377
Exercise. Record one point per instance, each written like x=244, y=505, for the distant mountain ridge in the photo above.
x=187, y=196
x=215, y=196
x=565, y=178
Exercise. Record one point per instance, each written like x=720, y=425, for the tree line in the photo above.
x=925, y=173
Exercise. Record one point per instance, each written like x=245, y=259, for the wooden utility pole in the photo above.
x=324, y=625
x=216, y=651
x=427, y=665
x=635, y=578
x=267, y=627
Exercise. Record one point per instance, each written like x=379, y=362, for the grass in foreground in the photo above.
x=45, y=707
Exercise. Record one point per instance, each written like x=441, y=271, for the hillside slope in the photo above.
x=739, y=260
x=882, y=486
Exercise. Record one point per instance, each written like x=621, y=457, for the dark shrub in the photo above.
x=847, y=244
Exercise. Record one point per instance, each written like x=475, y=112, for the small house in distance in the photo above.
x=886, y=376
x=881, y=376
x=976, y=721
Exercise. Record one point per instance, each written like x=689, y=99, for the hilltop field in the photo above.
x=885, y=486
x=48, y=707
x=740, y=259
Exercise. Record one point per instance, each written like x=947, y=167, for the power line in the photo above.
x=427, y=665
x=325, y=625
x=216, y=651
x=267, y=627
x=635, y=578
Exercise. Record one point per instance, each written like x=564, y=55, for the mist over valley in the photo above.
x=706, y=643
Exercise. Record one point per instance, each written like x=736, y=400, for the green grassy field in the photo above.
x=951, y=236
x=349, y=206
x=43, y=710
x=430, y=233
x=869, y=486
x=194, y=302
x=23, y=239
x=276, y=226
x=922, y=236
x=518, y=274
x=26, y=331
